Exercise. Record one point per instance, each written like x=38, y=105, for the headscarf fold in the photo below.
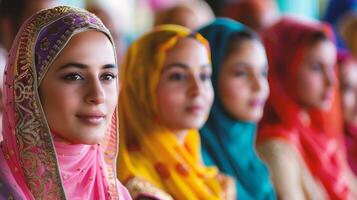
x=320, y=143
x=147, y=149
x=33, y=163
x=226, y=142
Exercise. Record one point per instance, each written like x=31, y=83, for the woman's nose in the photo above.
x=95, y=92
x=195, y=86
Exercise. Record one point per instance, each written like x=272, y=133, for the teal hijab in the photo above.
x=227, y=142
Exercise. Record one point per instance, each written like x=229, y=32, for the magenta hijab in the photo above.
x=33, y=164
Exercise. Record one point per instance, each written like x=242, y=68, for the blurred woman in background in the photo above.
x=165, y=97
x=241, y=87
x=300, y=136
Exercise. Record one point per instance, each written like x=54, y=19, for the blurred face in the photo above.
x=11, y=25
x=242, y=84
x=184, y=92
x=79, y=92
x=316, y=76
x=348, y=83
x=185, y=17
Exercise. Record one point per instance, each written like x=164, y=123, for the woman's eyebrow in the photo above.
x=74, y=65
x=84, y=66
x=110, y=66
x=176, y=64
x=182, y=65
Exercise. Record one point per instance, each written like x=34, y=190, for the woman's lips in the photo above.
x=92, y=118
x=194, y=109
x=256, y=103
x=327, y=96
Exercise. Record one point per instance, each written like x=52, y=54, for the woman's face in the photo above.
x=184, y=92
x=242, y=84
x=316, y=76
x=348, y=84
x=79, y=92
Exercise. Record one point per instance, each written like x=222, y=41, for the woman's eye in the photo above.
x=73, y=77
x=205, y=76
x=239, y=73
x=108, y=77
x=177, y=77
x=316, y=67
x=346, y=88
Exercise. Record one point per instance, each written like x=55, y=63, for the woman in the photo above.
x=240, y=81
x=166, y=94
x=191, y=14
x=300, y=136
x=348, y=90
x=60, y=131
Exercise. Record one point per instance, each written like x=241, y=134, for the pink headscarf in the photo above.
x=34, y=165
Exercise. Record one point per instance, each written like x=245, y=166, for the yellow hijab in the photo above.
x=147, y=150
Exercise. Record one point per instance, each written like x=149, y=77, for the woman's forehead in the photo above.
x=55, y=34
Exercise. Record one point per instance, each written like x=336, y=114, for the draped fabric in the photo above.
x=147, y=149
x=351, y=146
x=34, y=164
x=227, y=142
x=335, y=12
x=320, y=142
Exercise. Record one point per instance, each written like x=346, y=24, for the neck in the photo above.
x=180, y=135
x=59, y=139
x=304, y=117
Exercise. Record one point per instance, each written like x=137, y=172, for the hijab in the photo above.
x=34, y=164
x=319, y=143
x=149, y=150
x=227, y=142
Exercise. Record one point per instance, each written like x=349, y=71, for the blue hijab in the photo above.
x=227, y=142
x=336, y=10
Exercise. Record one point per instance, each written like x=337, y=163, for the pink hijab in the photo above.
x=34, y=165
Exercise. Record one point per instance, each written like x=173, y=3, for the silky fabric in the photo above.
x=34, y=163
x=227, y=142
x=318, y=143
x=351, y=145
x=148, y=150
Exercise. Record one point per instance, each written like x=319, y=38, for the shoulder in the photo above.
x=278, y=131
x=290, y=174
x=277, y=150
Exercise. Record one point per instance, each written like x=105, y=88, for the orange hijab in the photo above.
x=147, y=149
